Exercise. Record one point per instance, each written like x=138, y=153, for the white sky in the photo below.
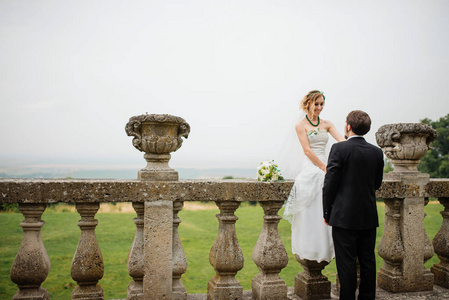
x=73, y=72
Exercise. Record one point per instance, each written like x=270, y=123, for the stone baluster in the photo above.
x=179, y=257
x=226, y=256
x=31, y=265
x=135, y=261
x=87, y=264
x=311, y=283
x=391, y=246
x=270, y=256
x=441, y=246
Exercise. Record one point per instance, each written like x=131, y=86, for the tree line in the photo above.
x=436, y=160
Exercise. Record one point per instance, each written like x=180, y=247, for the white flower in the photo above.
x=267, y=171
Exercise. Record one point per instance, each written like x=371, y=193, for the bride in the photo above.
x=311, y=238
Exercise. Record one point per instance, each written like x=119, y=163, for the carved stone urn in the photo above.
x=157, y=135
x=405, y=144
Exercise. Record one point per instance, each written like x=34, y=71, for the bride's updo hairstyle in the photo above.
x=310, y=99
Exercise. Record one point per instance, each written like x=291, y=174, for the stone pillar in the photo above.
x=403, y=249
x=311, y=283
x=270, y=256
x=31, y=265
x=179, y=257
x=87, y=264
x=226, y=256
x=135, y=261
x=403, y=269
x=441, y=246
x=158, y=247
x=158, y=135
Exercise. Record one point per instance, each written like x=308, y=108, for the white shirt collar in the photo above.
x=353, y=136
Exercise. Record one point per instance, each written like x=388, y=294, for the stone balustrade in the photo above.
x=157, y=261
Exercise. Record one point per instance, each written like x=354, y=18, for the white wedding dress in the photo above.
x=311, y=238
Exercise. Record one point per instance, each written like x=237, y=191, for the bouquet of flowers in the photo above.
x=268, y=171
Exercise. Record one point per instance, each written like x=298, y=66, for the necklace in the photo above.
x=312, y=123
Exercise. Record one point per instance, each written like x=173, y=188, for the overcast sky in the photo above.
x=72, y=73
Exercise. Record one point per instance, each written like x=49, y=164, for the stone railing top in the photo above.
x=84, y=190
x=438, y=188
x=79, y=190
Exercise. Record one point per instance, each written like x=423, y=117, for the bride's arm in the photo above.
x=302, y=136
x=334, y=132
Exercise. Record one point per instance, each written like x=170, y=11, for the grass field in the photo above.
x=115, y=234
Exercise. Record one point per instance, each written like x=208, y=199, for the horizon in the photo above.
x=115, y=172
x=73, y=73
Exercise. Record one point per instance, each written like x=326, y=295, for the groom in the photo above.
x=354, y=172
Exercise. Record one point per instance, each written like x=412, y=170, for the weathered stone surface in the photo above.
x=35, y=191
x=270, y=256
x=405, y=245
x=135, y=260
x=158, y=248
x=158, y=174
x=393, y=188
x=438, y=293
x=157, y=136
x=179, y=257
x=79, y=190
x=311, y=283
x=415, y=276
x=441, y=245
x=226, y=256
x=32, y=264
x=405, y=143
x=98, y=190
x=438, y=188
x=87, y=264
x=156, y=133
x=391, y=246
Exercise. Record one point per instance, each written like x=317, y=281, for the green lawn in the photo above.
x=115, y=233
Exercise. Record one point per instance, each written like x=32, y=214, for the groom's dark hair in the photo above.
x=360, y=122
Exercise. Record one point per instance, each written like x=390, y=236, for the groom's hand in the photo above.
x=326, y=222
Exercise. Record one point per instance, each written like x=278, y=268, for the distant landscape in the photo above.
x=184, y=173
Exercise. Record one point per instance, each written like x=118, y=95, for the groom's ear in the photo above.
x=349, y=128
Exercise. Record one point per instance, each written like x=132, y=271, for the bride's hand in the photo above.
x=323, y=169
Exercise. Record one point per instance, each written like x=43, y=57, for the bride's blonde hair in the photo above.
x=310, y=99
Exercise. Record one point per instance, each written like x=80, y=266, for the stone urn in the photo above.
x=157, y=135
x=405, y=144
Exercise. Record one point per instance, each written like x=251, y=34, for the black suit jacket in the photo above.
x=354, y=172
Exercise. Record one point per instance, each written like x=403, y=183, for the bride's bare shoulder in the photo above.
x=327, y=124
x=300, y=124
